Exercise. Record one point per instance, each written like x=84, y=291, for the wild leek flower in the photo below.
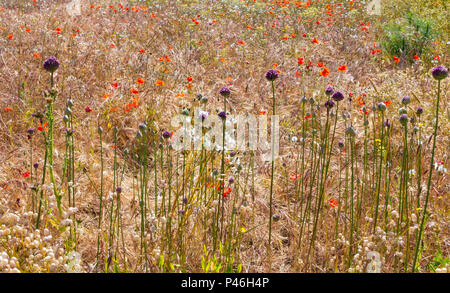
x=51, y=64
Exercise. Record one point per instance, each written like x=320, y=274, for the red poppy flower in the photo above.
x=88, y=109
x=333, y=203
x=325, y=72
x=26, y=174
x=342, y=68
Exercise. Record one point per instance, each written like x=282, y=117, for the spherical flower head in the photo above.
x=166, y=134
x=231, y=180
x=381, y=107
x=329, y=91
x=403, y=119
x=350, y=131
x=304, y=100
x=142, y=126
x=271, y=75
x=225, y=91
x=439, y=72
x=203, y=115
x=337, y=96
x=406, y=100
x=36, y=165
x=223, y=115
x=341, y=145
x=276, y=217
x=403, y=110
x=51, y=64
x=119, y=189
x=329, y=104
x=419, y=111
x=31, y=131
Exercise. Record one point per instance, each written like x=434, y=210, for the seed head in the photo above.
x=403, y=119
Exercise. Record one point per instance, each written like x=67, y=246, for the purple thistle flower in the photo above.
x=51, y=64
x=337, y=96
x=439, y=72
x=271, y=75
x=225, y=91
x=406, y=100
x=403, y=119
x=329, y=91
x=166, y=134
x=329, y=104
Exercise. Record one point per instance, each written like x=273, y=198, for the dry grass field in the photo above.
x=91, y=179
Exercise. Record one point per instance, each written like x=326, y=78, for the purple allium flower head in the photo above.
x=223, y=115
x=439, y=72
x=329, y=91
x=31, y=131
x=36, y=165
x=231, y=180
x=276, y=217
x=185, y=200
x=142, y=126
x=225, y=91
x=203, y=115
x=419, y=111
x=406, y=100
x=181, y=212
x=337, y=96
x=271, y=75
x=119, y=189
x=340, y=144
x=166, y=134
x=51, y=64
x=403, y=119
x=329, y=104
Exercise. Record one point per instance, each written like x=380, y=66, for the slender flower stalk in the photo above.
x=439, y=73
x=271, y=76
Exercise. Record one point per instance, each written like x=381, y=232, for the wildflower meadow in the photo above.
x=224, y=136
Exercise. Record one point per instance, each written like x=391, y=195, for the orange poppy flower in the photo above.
x=333, y=203
x=140, y=81
x=325, y=72
x=159, y=83
x=396, y=59
x=342, y=68
x=7, y=109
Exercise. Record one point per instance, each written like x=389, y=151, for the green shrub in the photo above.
x=408, y=36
